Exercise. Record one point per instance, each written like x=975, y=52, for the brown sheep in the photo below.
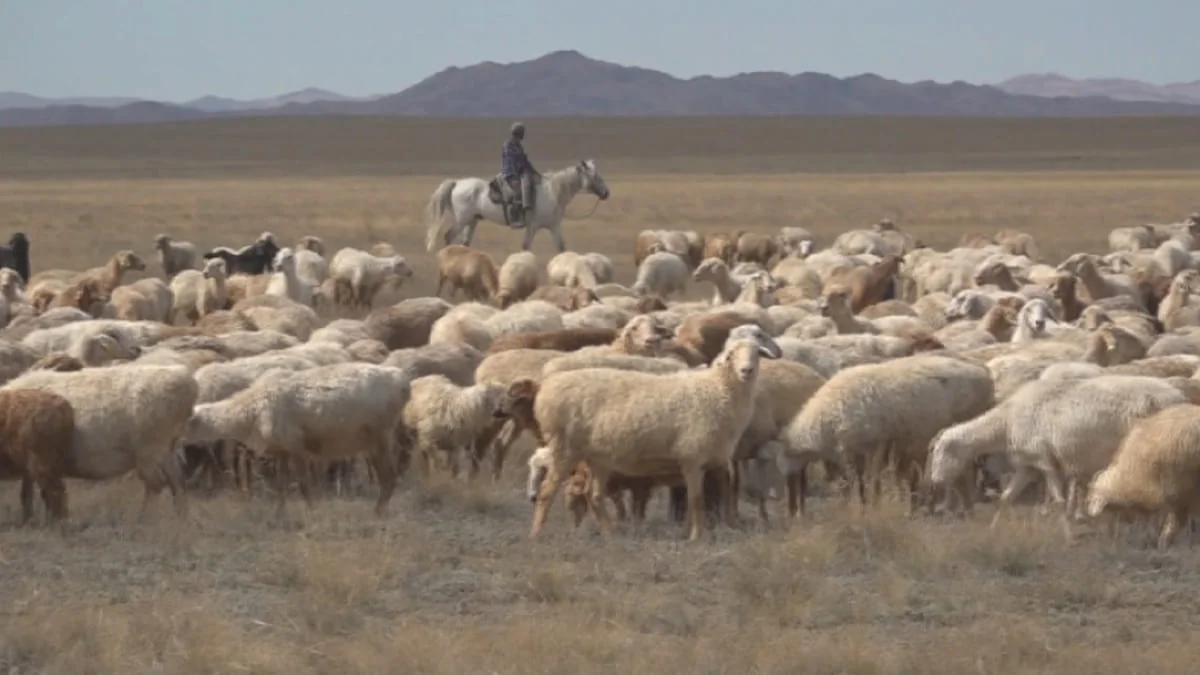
x=564, y=340
x=405, y=324
x=87, y=294
x=468, y=270
x=513, y=416
x=719, y=246
x=755, y=247
x=705, y=334
x=36, y=430
x=566, y=299
x=868, y=285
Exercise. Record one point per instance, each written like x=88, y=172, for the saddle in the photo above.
x=502, y=194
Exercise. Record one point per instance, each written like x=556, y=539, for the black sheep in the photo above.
x=15, y=255
x=256, y=258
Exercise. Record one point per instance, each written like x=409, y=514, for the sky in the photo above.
x=177, y=50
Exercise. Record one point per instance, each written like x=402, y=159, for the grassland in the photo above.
x=448, y=583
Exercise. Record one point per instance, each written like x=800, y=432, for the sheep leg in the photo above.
x=678, y=503
x=385, y=469
x=596, y=496
x=1021, y=478
x=511, y=431
x=641, y=499
x=693, y=478
x=27, y=499
x=54, y=494
x=797, y=488
x=281, y=487
x=545, y=497
x=1175, y=517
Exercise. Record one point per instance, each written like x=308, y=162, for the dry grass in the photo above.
x=448, y=583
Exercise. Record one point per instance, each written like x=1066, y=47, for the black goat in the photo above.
x=15, y=255
x=256, y=258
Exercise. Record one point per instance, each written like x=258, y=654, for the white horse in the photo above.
x=457, y=205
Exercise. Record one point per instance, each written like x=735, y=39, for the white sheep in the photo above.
x=864, y=412
x=285, y=283
x=328, y=413
x=1156, y=469
x=518, y=278
x=175, y=256
x=366, y=273
x=457, y=362
x=127, y=418
x=311, y=267
x=199, y=293
x=662, y=274
x=442, y=418
x=570, y=269
x=1067, y=430
x=640, y=424
x=143, y=300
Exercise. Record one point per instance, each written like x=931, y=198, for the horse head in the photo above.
x=593, y=182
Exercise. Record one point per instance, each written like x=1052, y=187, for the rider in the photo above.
x=516, y=168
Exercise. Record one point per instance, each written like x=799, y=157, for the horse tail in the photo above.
x=436, y=212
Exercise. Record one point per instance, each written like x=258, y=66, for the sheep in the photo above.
x=755, y=247
x=127, y=418
x=367, y=273
x=253, y=259
x=98, y=349
x=866, y=411
x=341, y=332
x=566, y=299
x=143, y=300
x=1098, y=286
x=468, y=270
x=1156, y=469
x=175, y=256
x=311, y=268
x=1131, y=238
x=407, y=323
x=455, y=361
x=199, y=293
x=716, y=271
x=1065, y=429
x=565, y=340
x=649, y=241
x=86, y=294
x=23, y=325
x=271, y=312
x=795, y=241
x=15, y=255
x=36, y=428
x=662, y=274
x=643, y=424
x=518, y=278
x=867, y=285
x=571, y=269
x=442, y=417
x=325, y=413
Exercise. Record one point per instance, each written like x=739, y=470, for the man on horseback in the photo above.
x=518, y=172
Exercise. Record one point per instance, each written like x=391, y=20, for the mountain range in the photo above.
x=568, y=83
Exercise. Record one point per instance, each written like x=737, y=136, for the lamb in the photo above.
x=326, y=413
x=572, y=270
x=366, y=273
x=1065, y=429
x=441, y=417
x=662, y=274
x=175, y=256
x=455, y=361
x=518, y=278
x=127, y=418
x=15, y=255
x=199, y=293
x=407, y=323
x=1156, y=469
x=36, y=429
x=640, y=424
x=468, y=270
x=143, y=300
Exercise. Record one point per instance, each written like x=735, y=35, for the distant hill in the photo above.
x=1053, y=84
x=15, y=99
x=567, y=83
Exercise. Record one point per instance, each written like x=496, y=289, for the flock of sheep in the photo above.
x=958, y=372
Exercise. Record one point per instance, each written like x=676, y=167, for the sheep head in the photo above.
x=400, y=268
x=539, y=466
x=1063, y=286
x=311, y=243
x=517, y=400
x=643, y=335
x=964, y=304
x=19, y=243
x=162, y=242
x=743, y=348
x=835, y=298
x=285, y=261
x=214, y=268
x=128, y=261
x=949, y=456
x=710, y=269
x=1036, y=314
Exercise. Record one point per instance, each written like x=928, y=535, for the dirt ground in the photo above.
x=448, y=581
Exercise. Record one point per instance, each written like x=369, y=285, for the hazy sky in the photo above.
x=180, y=49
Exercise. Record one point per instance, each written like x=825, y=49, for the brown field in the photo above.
x=448, y=583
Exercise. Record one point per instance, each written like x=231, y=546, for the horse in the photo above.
x=457, y=205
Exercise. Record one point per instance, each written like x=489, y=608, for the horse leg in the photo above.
x=528, y=241
x=556, y=233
